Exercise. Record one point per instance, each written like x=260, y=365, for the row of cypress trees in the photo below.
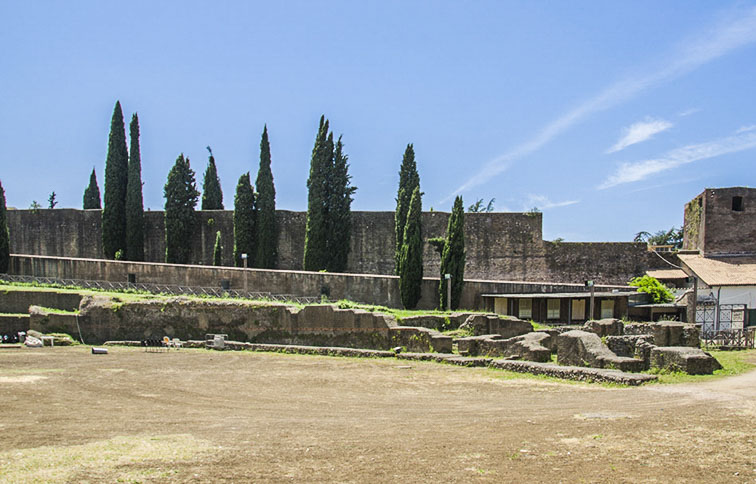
x=123, y=211
x=329, y=200
x=409, y=240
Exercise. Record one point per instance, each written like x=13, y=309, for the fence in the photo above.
x=160, y=288
x=731, y=339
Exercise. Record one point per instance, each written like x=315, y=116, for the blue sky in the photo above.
x=607, y=116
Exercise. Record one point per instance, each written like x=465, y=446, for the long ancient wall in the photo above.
x=500, y=246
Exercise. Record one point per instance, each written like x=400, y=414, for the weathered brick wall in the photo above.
x=500, y=246
x=727, y=231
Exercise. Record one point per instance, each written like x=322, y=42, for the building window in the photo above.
x=578, y=309
x=526, y=309
x=500, y=305
x=737, y=204
x=552, y=309
x=607, y=308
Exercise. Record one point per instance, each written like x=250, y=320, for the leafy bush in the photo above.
x=650, y=285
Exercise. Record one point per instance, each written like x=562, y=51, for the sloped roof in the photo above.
x=722, y=271
x=667, y=273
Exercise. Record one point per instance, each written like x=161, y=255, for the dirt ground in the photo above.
x=199, y=416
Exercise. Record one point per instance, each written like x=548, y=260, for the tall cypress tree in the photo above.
x=181, y=197
x=134, y=202
x=316, y=255
x=92, y=193
x=244, y=220
x=218, y=250
x=339, y=210
x=212, y=195
x=409, y=179
x=116, y=180
x=453, y=257
x=411, y=276
x=4, y=237
x=266, y=225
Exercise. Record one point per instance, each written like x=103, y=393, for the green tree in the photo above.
x=266, y=225
x=218, y=250
x=453, y=257
x=409, y=179
x=339, y=210
x=181, y=197
x=673, y=237
x=52, y=200
x=650, y=285
x=244, y=219
x=316, y=255
x=134, y=202
x=116, y=180
x=4, y=236
x=92, y=193
x=212, y=195
x=411, y=276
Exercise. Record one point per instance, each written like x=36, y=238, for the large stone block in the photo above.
x=506, y=326
x=676, y=334
x=605, y=327
x=692, y=361
x=581, y=348
x=531, y=347
x=420, y=340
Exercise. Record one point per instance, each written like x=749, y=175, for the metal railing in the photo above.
x=161, y=289
x=731, y=338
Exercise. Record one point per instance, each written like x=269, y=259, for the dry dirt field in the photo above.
x=198, y=416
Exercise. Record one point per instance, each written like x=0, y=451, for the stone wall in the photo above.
x=365, y=288
x=500, y=246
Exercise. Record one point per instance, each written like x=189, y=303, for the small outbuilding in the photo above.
x=560, y=308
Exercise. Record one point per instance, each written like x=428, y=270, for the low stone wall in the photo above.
x=19, y=300
x=574, y=372
x=533, y=346
x=370, y=289
x=47, y=322
x=505, y=326
x=692, y=361
x=420, y=340
x=13, y=323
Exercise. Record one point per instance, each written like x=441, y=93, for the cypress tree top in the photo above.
x=92, y=193
x=411, y=274
x=339, y=210
x=4, y=237
x=316, y=255
x=409, y=179
x=181, y=197
x=212, y=195
x=244, y=220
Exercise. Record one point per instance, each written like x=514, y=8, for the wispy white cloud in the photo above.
x=543, y=203
x=639, y=132
x=688, y=112
x=735, y=32
x=745, y=129
x=639, y=170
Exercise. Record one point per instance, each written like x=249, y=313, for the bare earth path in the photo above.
x=198, y=416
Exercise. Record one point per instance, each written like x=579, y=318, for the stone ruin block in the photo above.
x=533, y=346
x=507, y=326
x=581, y=348
x=692, y=361
x=420, y=340
x=632, y=346
x=605, y=327
x=676, y=334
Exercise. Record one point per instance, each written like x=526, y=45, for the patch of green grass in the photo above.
x=733, y=363
x=56, y=310
x=14, y=314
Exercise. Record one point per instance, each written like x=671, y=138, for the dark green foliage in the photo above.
x=92, y=193
x=181, y=197
x=266, y=225
x=339, y=211
x=438, y=244
x=134, y=203
x=51, y=200
x=244, y=220
x=316, y=255
x=217, y=250
x=411, y=276
x=212, y=195
x=4, y=237
x=409, y=179
x=673, y=237
x=478, y=207
x=453, y=257
x=116, y=180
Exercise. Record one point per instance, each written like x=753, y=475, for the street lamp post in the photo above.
x=244, y=258
x=448, y=291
